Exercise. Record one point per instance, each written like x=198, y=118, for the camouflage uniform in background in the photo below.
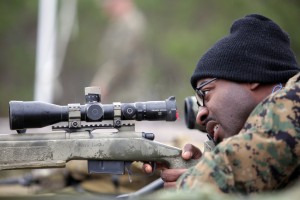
x=124, y=60
x=264, y=156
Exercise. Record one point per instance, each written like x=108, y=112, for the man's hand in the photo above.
x=170, y=176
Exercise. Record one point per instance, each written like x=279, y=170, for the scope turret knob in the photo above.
x=92, y=94
x=128, y=111
x=94, y=112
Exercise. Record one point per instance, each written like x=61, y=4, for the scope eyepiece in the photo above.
x=190, y=113
x=156, y=110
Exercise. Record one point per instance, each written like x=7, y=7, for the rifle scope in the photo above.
x=35, y=114
x=190, y=113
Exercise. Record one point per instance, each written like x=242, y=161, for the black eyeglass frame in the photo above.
x=200, y=96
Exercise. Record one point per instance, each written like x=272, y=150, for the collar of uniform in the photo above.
x=293, y=80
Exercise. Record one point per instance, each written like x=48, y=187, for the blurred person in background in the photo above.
x=123, y=58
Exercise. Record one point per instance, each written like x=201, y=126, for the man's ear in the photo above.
x=253, y=86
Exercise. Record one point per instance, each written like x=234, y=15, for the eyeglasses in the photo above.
x=200, y=95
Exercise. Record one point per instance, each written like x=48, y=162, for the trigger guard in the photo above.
x=153, y=165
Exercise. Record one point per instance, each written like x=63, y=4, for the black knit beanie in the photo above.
x=256, y=50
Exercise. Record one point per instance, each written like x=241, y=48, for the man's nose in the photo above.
x=202, y=115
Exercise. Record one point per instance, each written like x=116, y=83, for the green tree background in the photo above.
x=179, y=32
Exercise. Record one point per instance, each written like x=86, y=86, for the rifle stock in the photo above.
x=54, y=149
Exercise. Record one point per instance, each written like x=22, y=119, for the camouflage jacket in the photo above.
x=264, y=156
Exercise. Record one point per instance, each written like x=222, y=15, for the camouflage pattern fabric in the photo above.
x=264, y=156
x=208, y=193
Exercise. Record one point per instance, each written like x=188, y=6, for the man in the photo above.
x=123, y=56
x=252, y=70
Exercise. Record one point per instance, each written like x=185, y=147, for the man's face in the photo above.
x=227, y=105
